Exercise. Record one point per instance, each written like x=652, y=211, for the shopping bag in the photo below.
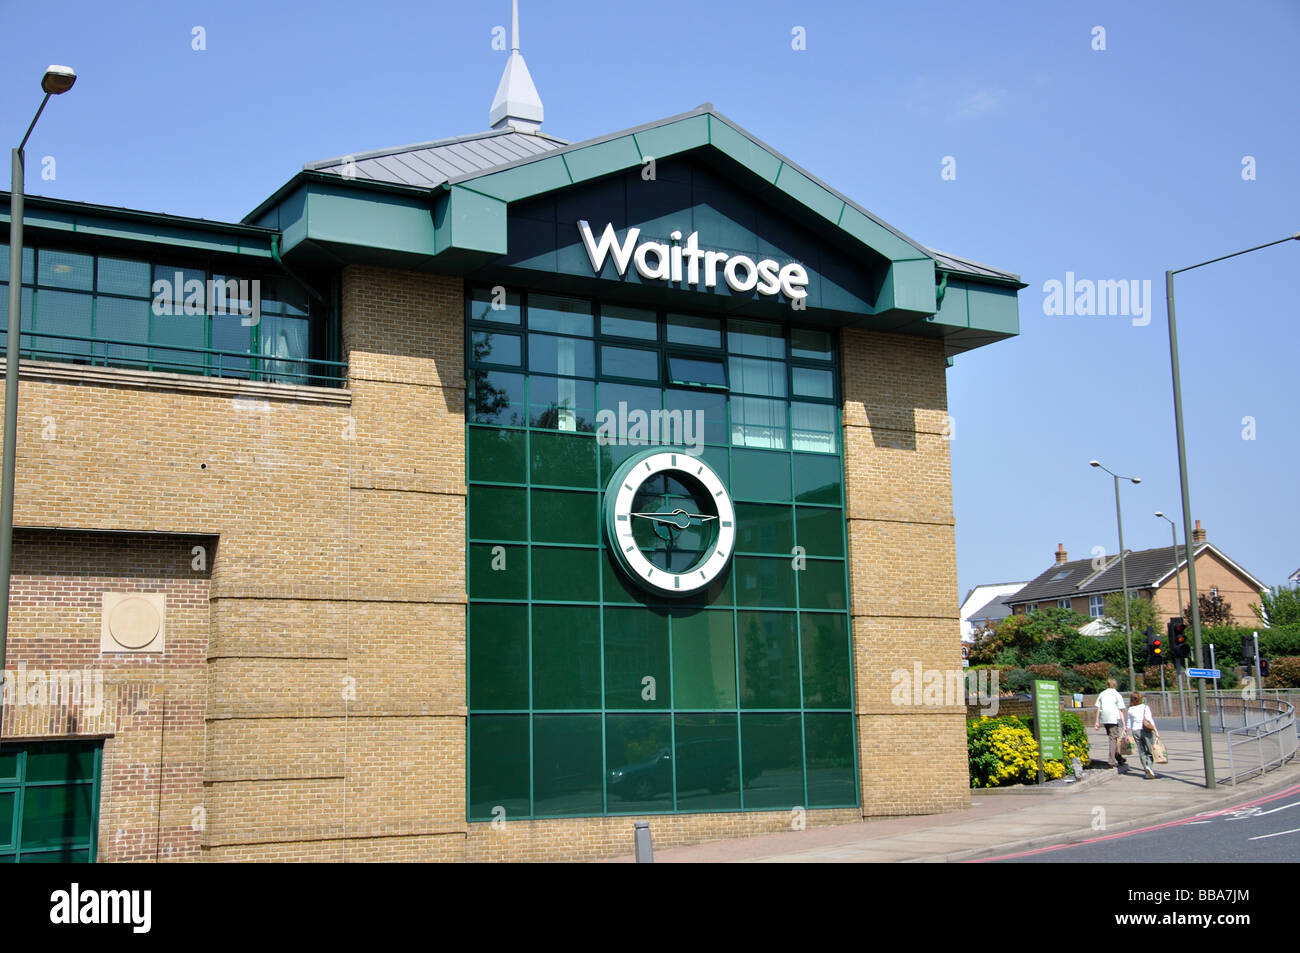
x=1126, y=745
x=1158, y=752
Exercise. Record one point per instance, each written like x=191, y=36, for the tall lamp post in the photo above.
x=1207, y=745
x=1123, y=569
x=1173, y=533
x=57, y=79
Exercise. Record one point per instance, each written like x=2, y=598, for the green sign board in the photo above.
x=1047, y=717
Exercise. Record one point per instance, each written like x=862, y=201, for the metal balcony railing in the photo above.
x=181, y=359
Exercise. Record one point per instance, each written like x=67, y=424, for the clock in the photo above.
x=670, y=522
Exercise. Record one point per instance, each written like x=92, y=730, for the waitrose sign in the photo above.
x=688, y=262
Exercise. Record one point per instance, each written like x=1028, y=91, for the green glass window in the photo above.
x=497, y=571
x=561, y=403
x=769, y=660
x=566, y=575
x=498, y=656
x=561, y=315
x=493, y=347
x=499, y=778
x=628, y=322
x=49, y=801
x=567, y=759
x=695, y=331
x=824, y=650
x=497, y=398
x=587, y=694
x=707, y=753
x=564, y=516
x=495, y=304
x=629, y=362
x=566, y=657
x=497, y=513
x=561, y=460
x=639, y=759
x=772, y=753
x=764, y=528
x=829, y=743
x=808, y=344
x=704, y=660
x=636, y=659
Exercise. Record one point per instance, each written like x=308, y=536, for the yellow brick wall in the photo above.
x=902, y=572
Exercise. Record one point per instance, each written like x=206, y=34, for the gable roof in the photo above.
x=1145, y=568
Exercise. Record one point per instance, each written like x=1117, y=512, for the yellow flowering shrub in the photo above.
x=1016, y=752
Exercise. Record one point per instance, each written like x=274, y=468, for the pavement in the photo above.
x=1008, y=821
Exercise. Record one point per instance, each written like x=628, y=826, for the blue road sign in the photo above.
x=1204, y=673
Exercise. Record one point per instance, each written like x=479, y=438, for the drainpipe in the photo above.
x=275, y=254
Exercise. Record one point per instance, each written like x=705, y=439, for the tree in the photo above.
x=1141, y=613
x=1214, y=610
x=1280, y=606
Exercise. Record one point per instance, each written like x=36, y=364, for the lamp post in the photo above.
x=1207, y=746
x=1173, y=532
x=1123, y=569
x=57, y=79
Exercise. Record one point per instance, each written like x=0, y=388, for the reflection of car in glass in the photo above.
x=697, y=767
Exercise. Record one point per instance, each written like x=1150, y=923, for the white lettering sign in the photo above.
x=660, y=262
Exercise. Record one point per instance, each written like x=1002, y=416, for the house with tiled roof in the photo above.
x=1154, y=574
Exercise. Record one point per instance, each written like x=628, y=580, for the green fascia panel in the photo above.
x=674, y=137
x=114, y=230
x=952, y=311
x=874, y=235
x=744, y=150
x=374, y=221
x=994, y=308
x=602, y=158
x=524, y=181
x=804, y=190
x=470, y=221
x=291, y=218
x=909, y=286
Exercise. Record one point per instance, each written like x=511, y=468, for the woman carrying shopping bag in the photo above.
x=1142, y=727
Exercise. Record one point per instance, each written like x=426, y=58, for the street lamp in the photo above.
x=1207, y=745
x=1123, y=569
x=57, y=79
x=1173, y=532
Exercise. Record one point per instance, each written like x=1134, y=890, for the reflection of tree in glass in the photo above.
x=556, y=414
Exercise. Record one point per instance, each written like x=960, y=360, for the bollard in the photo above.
x=645, y=852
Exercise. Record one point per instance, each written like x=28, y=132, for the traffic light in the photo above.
x=1155, y=648
x=1247, y=650
x=1263, y=667
x=1182, y=648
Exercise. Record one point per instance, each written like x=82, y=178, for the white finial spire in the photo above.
x=516, y=105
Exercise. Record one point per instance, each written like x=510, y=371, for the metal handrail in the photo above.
x=1280, y=725
x=259, y=366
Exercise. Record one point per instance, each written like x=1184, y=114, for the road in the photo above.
x=1265, y=830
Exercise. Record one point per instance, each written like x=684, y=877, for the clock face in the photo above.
x=670, y=522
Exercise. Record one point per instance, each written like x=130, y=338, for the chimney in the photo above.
x=1198, y=534
x=1061, y=555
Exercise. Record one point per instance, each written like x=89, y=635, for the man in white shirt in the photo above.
x=1110, y=713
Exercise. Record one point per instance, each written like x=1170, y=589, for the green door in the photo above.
x=49, y=801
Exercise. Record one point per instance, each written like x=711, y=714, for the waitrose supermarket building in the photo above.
x=472, y=499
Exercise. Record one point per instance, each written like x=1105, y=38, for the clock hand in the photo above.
x=673, y=518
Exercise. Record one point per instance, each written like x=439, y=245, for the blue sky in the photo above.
x=1112, y=164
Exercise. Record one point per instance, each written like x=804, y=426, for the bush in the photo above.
x=1283, y=672
x=1050, y=671
x=1072, y=681
x=1094, y=675
x=1007, y=658
x=1003, y=751
x=1017, y=681
x=1081, y=650
x=1000, y=751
